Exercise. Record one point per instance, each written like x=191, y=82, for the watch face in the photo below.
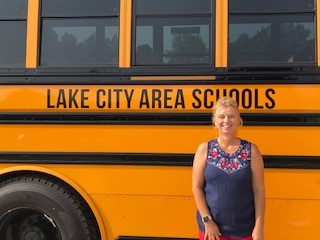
x=205, y=219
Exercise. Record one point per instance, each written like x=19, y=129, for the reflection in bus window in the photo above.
x=168, y=38
x=79, y=33
x=12, y=43
x=281, y=38
x=13, y=27
x=90, y=41
x=13, y=9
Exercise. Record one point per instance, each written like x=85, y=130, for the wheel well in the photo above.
x=6, y=178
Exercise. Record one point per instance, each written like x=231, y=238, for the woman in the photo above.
x=228, y=181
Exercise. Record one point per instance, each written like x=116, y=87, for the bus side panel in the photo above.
x=160, y=199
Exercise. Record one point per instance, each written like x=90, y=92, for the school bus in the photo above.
x=104, y=102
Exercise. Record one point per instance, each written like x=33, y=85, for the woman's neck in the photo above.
x=229, y=144
x=228, y=140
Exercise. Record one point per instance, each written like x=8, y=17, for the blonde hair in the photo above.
x=224, y=102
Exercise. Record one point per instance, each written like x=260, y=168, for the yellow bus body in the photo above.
x=125, y=197
x=154, y=200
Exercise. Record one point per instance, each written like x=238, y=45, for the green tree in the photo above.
x=69, y=48
x=288, y=42
x=188, y=48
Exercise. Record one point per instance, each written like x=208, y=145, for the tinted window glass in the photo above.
x=173, y=40
x=270, y=5
x=173, y=6
x=12, y=43
x=271, y=38
x=79, y=42
x=79, y=7
x=13, y=8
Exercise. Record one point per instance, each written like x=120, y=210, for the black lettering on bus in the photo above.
x=256, y=99
x=156, y=97
x=246, y=98
x=109, y=95
x=206, y=100
x=61, y=99
x=180, y=99
x=167, y=98
x=128, y=97
x=49, y=99
x=100, y=103
x=144, y=99
x=272, y=102
x=235, y=94
x=195, y=93
x=72, y=98
x=220, y=93
x=117, y=91
x=84, y=98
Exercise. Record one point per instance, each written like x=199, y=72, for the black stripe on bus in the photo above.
x=91, y=77
x=150, y=159
x=250, y=119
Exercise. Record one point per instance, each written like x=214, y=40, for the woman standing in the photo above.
x=228, y=181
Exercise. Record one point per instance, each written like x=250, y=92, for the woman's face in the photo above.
x=227, y=119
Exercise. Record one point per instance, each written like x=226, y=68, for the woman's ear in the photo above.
x=241, y=122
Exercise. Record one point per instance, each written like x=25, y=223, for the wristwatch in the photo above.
x=206, y=219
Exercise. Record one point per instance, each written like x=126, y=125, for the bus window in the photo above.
x=13, y=25
x=79, y=33
x=173, y=32
x=272, y=34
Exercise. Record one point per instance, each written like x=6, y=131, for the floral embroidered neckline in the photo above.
x=233, y=153
x=229, y=163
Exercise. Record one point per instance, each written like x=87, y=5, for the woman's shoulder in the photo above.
x=254, y=148
x=200, y=155
x=202, y=147
x=205, y=144
x=252, y=145
x=245, y=141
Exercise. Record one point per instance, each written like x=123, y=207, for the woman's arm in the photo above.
x=199, y=163
x=257, y=167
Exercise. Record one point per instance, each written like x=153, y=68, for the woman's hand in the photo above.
x=257, y=233
x=211, y=231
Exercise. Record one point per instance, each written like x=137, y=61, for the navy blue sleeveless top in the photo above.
x=228, y=190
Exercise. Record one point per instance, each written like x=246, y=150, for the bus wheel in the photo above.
x=37, y=208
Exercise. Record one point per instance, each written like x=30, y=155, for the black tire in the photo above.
x=34, y=208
